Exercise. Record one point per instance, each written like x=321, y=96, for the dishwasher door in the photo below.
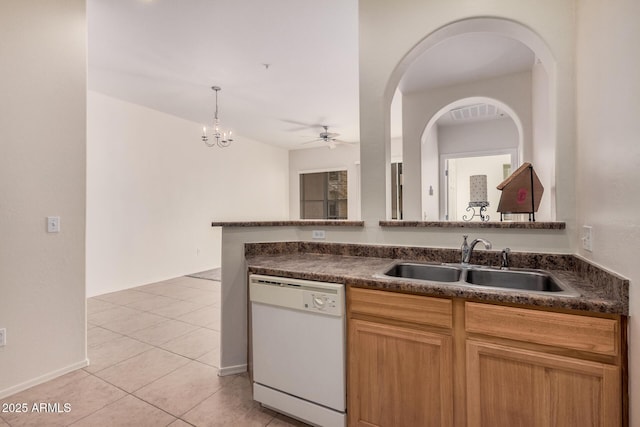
x=298, y=342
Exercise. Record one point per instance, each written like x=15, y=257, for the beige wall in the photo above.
x=608, y=150
x=153, y=189
x=42, y=173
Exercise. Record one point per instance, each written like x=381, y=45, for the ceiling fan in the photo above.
x=328, y=137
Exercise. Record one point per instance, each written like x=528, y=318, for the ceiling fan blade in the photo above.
x=297, y=129
x=313, y=140
x=302, y=125
x=295, y=122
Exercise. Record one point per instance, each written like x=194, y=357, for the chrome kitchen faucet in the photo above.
x=467, y=249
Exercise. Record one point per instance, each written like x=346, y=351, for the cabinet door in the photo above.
x=399, y=376
x=510, y=387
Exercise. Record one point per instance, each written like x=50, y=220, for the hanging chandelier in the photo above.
x=219, y=138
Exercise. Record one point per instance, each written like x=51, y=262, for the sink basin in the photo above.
x=526, y=280
x=537, y=281
x=436, y=273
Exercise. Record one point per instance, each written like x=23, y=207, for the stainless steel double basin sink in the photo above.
x=523, y=280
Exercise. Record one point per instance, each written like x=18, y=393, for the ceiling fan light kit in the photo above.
x=221, y=139
x=328, y=137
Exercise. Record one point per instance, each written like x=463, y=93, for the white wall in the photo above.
x=419, y=108
x=153, y=189
x=343, y=157
x=608, y=152
x=42, y=173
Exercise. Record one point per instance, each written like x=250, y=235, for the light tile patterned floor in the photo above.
x=154, y=353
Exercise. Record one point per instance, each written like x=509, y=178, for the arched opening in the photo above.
x=476, y=61
x=470, y=136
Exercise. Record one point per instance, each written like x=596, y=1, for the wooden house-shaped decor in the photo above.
x=521, y=193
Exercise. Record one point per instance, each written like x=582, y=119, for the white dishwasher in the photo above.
x=298, y=343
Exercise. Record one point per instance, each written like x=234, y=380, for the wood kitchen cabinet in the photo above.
x=509, y=386
x=521, y=382
x=423, y=361
x=399, y=374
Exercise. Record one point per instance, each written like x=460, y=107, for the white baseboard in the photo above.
x=232, y=370
x=42, y=379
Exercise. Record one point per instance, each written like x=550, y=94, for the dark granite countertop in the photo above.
x=297, y=223
x=475, y=224
x=359, y=265
x=394, y=223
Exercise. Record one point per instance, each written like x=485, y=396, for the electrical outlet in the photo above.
x=318, y=234
x=53, y=224
x=3, y=337
x=587, y=238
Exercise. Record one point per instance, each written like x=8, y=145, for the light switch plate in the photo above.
x=3, y=337
x=53, y=224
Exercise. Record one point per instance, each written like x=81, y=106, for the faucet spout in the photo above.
x=467, y=256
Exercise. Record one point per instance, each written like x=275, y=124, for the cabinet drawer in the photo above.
x=402, y=307
x=592, y=334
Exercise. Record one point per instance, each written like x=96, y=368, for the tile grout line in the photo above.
x=150, y=403
x=99, y=409
x=198, y=327
x=135, y=396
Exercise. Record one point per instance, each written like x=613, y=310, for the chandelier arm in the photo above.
x=205, y=139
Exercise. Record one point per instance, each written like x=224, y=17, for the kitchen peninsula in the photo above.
x=588, y=329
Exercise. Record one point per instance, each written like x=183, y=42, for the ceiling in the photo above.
x=466, y=57
x=166, y=55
